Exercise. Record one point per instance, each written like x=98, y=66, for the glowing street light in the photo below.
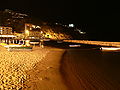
x=27, y=32
x=41, y=32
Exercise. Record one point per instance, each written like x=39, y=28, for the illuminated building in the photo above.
x=15, y=14
x=5, y=30
x=13, y=19
x=32, y=31
x=6, y=34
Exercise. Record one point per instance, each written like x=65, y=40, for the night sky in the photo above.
x=62, y=10
x=100, y=19
x=108, y=20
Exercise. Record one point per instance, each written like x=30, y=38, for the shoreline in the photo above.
x=67, y=74
x=46, y=75
x=63, y=70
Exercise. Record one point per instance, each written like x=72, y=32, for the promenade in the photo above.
x=101, y=43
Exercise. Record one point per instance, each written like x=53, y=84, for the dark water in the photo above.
x=90, y=69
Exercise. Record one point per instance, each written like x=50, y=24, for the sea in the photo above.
x=91, y=69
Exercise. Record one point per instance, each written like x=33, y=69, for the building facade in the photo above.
x=5, y=30
x=14, y=19
x=6, y=34
x=32, y=31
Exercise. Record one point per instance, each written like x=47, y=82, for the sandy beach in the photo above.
x=31, y=70
x=46, y=74
x=51, y=68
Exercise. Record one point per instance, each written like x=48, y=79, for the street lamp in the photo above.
x=41, y=32
x=27, y=33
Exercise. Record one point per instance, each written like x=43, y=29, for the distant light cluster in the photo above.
x=71, y=25
x=16, y=15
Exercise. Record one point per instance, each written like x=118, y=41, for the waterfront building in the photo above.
x=14, y=19
x=6, y=34
x=5, y=30
x=32, y=31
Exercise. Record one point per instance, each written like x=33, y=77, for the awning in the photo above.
x=7, y=36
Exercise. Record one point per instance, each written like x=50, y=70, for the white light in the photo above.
x=41, y=32
x=33, y=26
x=74, y=45
x=110, y=48
x=34, y=42
x=7, y=36
x=32, y=37
x=82, y=32
x=30, y=28
x=71, y=25
x=38, y=27
x=13, y=46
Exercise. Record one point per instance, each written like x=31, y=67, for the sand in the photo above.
x=46, y=75
x=31, y=70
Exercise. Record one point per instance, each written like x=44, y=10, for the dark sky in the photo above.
x=108, y=20
x=102, y=17
x=63, y=10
